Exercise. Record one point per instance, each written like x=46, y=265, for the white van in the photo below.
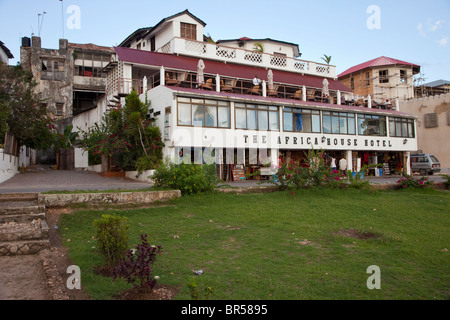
x=425, y=163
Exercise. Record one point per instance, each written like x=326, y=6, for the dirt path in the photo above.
x=42, y=276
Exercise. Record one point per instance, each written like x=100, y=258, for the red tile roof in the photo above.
x=378, y=62
x=172, y=61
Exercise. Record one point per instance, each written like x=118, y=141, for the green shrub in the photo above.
x=188, y=178
x=112, y=237
x=408, y=181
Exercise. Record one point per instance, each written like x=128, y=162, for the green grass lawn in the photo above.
x=285, y=247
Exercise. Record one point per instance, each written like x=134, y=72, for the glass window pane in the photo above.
x=211, y=116
x=252, y=119
x=224, y=117
x=404, y=129
x=362, y=126
x=263, y=120
x=184, y=114
x=335, y=124
x=182, y=99
x=287, y=121
x=351, y=126
x=198, y=112
x=343, y=125
x=315, y=120
x=274, y=123
x=392, y=128
x=298, y=121
x=410, y=130
x=326, y=124
x=241, y=119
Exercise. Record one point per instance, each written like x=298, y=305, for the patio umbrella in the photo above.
x=200, y=68
x=270, y=79
x=325, y=90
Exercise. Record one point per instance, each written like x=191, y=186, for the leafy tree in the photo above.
x=21, y=110
x=127, y=135
x=65, y=140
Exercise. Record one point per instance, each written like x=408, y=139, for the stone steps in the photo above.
x=23, y=229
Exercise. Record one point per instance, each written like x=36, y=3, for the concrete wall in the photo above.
x=8, y=166
x=61, y=200
x=432, y=140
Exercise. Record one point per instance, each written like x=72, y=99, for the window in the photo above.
x=371, y=125
x=301, y=120
x=52, y=70
x=352, y=83
x=89, y=72
x=254, y=117
x=188, y=31
x=384, y=78
x=400, y=127
x=403, y=78
x=431, y=120
x=367, y=79
x=203, y=113
x=338, y=122
x=59, y=109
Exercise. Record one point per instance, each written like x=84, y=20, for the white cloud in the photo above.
x=436, y=25
x=443, y=42
x=420, y=28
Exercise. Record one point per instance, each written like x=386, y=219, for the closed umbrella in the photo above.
x=200, y=68
x=325, y=90
x=270, y=79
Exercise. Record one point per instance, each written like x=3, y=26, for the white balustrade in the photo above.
x=254, y=58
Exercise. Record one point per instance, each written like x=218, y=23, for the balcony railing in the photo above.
x=253, y=58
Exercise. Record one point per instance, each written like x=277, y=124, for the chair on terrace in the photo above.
x=310, y=95
x=360, y=102
x=298, y=95
x=273, y=92
x=171, y=80
x=208, y=85
x=227, y=88
x=254, y=90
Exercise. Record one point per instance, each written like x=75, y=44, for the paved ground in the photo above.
x=40, y=179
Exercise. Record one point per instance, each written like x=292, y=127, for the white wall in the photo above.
x=8, y=166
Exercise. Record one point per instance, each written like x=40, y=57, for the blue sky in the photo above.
x=351, y=31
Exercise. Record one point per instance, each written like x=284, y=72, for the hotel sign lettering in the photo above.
x=320, y=141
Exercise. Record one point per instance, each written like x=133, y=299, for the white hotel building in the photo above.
x=250, y=127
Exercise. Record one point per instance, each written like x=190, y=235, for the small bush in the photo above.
x=137, y=266
x=447, y=182
x=188, y=178
x=408, y=181
x=112, y=237
x=194, y=291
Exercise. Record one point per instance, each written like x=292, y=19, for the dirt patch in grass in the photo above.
x=159, y=292
x=357, y=234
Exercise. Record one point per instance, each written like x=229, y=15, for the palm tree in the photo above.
x=326, y=58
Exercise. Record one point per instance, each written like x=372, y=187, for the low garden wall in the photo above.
x=145, y=197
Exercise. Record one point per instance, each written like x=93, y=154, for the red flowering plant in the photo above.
x=312, y=174
x=408, y=181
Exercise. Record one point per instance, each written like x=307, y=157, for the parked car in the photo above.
x=425, y=163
